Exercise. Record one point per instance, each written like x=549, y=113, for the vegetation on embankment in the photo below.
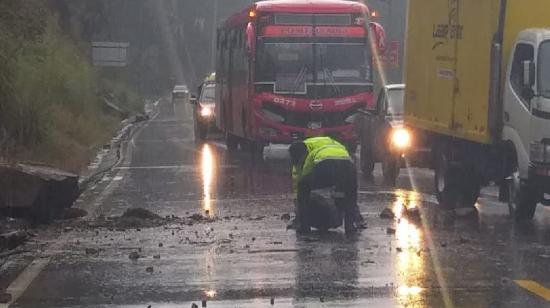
x=51, y=97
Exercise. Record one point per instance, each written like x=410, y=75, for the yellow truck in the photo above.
x=478, y=94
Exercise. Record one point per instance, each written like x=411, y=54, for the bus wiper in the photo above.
x=301, y=76
x=328, y=76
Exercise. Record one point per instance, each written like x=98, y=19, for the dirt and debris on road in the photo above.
x=137, y=218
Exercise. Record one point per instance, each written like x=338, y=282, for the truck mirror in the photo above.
x=528, y=76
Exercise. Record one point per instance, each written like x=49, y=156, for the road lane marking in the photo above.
x=535, y=288
x=180, y=167
x=23, y=281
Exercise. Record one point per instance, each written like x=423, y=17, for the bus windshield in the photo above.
x=293, y=67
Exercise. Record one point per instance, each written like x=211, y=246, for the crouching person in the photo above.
x=322, y=162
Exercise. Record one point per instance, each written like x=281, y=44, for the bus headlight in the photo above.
x=401, y=138
x=207, y=111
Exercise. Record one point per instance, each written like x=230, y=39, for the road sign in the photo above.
x=110, y=54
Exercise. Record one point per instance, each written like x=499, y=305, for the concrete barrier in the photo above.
x=36, y=191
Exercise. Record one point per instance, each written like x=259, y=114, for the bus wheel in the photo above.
x=231, y=142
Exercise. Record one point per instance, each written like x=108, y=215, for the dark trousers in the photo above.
x=341, y=174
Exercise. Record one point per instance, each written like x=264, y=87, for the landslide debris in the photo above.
x=138, y=218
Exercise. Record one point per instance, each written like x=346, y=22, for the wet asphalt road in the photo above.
x=245, y=257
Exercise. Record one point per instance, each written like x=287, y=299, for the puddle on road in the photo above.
x=208, y=164
x=409, y=237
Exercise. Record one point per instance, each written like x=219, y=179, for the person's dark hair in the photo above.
x=336, y=137
x=298, y=151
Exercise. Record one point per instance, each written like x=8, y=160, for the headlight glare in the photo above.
x=401, y=138
x=207, y=111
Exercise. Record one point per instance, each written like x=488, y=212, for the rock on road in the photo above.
x=220, y=238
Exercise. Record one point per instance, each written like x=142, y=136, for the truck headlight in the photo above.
x=207, y=111
x=401, y=138
x=536, y=152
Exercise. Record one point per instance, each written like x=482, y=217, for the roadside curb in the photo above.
x=112, y=154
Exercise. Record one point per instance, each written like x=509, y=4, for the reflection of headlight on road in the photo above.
x=207, y=111
x=401, y=138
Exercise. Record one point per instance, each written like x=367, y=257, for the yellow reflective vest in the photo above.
x=319, y=149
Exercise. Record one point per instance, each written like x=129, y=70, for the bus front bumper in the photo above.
x=271, y=132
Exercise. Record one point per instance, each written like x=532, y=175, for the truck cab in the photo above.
x=526, y=120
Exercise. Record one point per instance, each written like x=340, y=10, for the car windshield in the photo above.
x=208, y=94
x=291, y=67
x=395, y=101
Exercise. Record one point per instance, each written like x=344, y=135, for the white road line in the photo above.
x=187, y=167
x=177, y=167
x=19, y=285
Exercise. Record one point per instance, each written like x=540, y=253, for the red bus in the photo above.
x=289, y=69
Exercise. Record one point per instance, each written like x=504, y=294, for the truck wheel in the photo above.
x=231, y=142
x=522, y=199
x=390, y=170
x=471, y=189
x=446, y=182
x=503, y=192
x=366, y=160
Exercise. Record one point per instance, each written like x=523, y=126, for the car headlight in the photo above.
x=207, y=111
x=401, y=138
x=272, y=116
x=539, y=152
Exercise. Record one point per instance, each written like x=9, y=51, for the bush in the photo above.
x=50, y=109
